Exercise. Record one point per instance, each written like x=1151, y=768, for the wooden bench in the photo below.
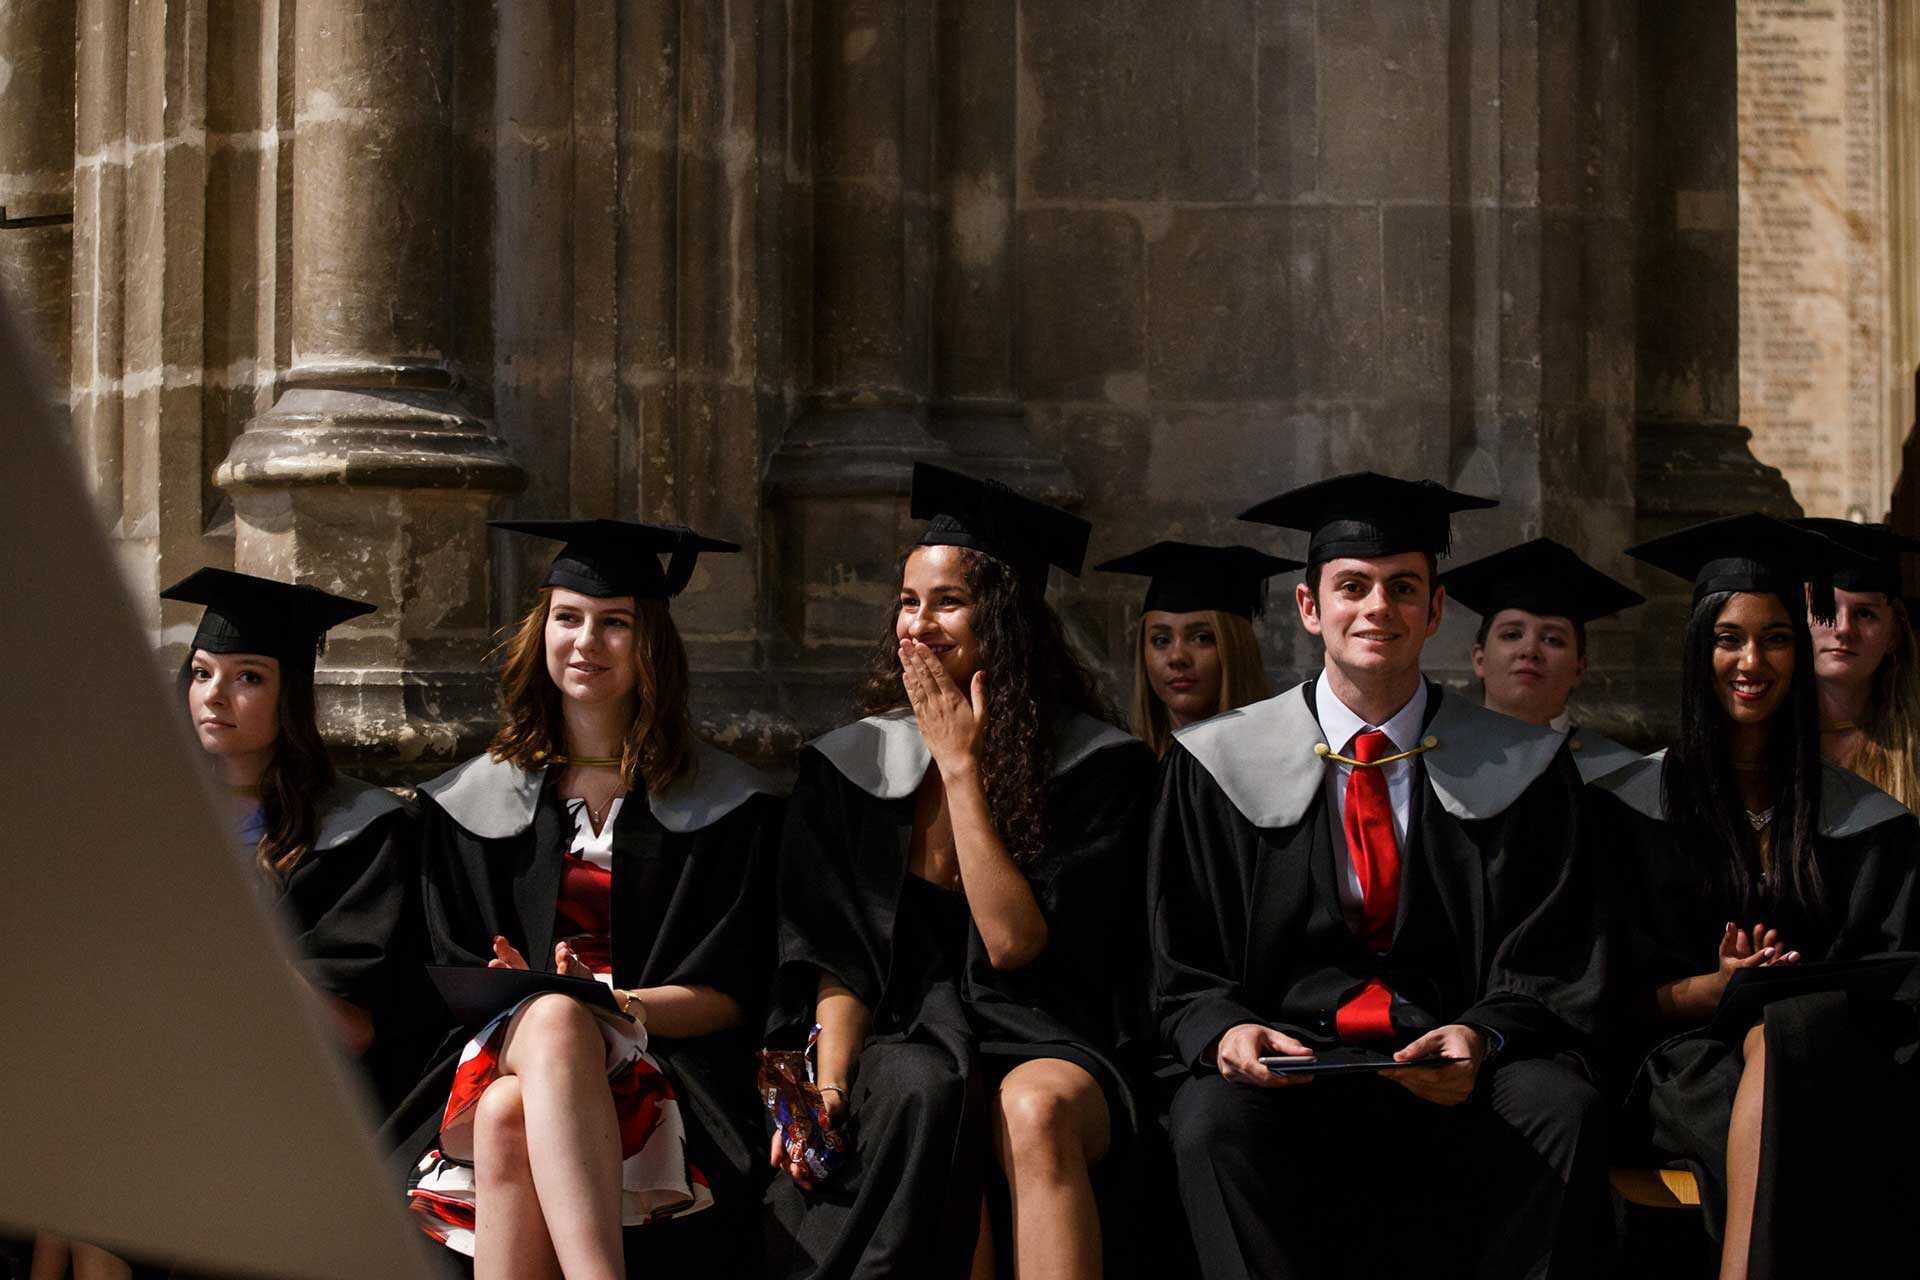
x=1656, y=1188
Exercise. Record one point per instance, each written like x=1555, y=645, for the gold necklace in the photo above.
x=588, y=762
x=1839, y=726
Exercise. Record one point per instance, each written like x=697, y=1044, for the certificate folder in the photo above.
x=1873, y=980
x=1356, y=1062
x=475, y=994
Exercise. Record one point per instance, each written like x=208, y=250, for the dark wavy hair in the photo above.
x=299, y=773
x=1697, y=779
x=1033, y=678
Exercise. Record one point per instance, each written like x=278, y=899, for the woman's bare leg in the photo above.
x=1050, y=1128
x=572, y=1133
x=510, y=1239
x=50, y=1255
x=91, y=1262
x=1743, y=1157
x=983, y=1262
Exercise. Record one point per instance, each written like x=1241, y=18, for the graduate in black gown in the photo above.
x=1369, y=862
x=1535, y=603
x=329, y=853
x=961, y=916
x=600, y=838
x=1740, y=849
x=1195, y=651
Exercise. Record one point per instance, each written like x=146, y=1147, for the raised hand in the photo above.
x=952, y=722
x=564, y=961
x=506, y=955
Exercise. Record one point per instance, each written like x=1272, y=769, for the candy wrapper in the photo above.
x=793, y=1100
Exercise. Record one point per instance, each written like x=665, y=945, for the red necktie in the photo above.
x=1374, y=853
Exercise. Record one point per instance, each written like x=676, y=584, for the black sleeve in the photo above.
x=347, y=906
x=718, y=930
x=1200, y=857
x=1546, y=977
x=830, y=913
x=1877, y=908
x=1090, y=884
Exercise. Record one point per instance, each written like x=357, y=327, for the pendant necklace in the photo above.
x=1758, y=821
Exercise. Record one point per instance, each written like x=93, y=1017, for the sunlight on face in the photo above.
x=234, y=701
x=936, y=608
x=590, y=646
x=1374, y=616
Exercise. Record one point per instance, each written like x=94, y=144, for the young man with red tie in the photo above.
x=1367, y=870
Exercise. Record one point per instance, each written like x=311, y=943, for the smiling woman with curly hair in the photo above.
x=960, y=890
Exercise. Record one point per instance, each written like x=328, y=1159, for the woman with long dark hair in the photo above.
x=960, y=911
x=1195, y=653
x=1737, y=850
x=328, y=851
x=598, y=838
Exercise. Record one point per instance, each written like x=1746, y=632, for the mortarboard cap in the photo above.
x=1753, y=552
x=604, y=558
x=1187, y=577
x=1541, y=577
x=987, y=516
x=247, y=614
x=1880, y=544
x=1365, y=515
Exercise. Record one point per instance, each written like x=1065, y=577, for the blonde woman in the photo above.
x=1196, y=653
x=1868, y=665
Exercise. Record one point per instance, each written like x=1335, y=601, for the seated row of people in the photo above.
x=989, y=917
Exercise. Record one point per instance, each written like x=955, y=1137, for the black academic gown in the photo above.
x=907, y=1200
x=1837, y=1186
x=692, y=904
x=1497, y=929
x=347, y=903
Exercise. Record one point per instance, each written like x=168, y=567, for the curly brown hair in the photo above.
x=299, y=773
x=1033, y=677
x=660, y=744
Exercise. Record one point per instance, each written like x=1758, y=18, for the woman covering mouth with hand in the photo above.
x=961, y=912
x=1868, y=663
x=1535, y=602
x=1195, y=652
x=1736, y=850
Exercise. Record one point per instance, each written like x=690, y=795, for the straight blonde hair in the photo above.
x=1243, y=677
x=1892, y=729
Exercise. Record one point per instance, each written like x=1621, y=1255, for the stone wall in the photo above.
x=739, y=263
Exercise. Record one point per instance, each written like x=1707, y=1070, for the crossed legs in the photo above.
x=547, y=1153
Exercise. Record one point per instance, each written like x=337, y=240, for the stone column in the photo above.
x=1693, y=462
x=976, y=408
x=837, y=483
x=372, y=475
x=36, y=176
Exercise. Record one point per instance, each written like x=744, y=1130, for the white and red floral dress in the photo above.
x=656, y=1179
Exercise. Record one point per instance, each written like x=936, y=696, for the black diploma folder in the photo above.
x=475, y=994
x=1354, y=1062
x=1872, y=980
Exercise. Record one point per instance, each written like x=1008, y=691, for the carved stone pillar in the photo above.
x=1693, y=459
x=838, y=482
x=371, y=475
x=36, y=175
x=976, y=408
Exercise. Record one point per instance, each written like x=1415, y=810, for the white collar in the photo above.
x=1562, y=722
x=1340, y=723
x=886, y=757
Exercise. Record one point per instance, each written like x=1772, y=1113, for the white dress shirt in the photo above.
x=1340, y=726
x=1561, y=723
